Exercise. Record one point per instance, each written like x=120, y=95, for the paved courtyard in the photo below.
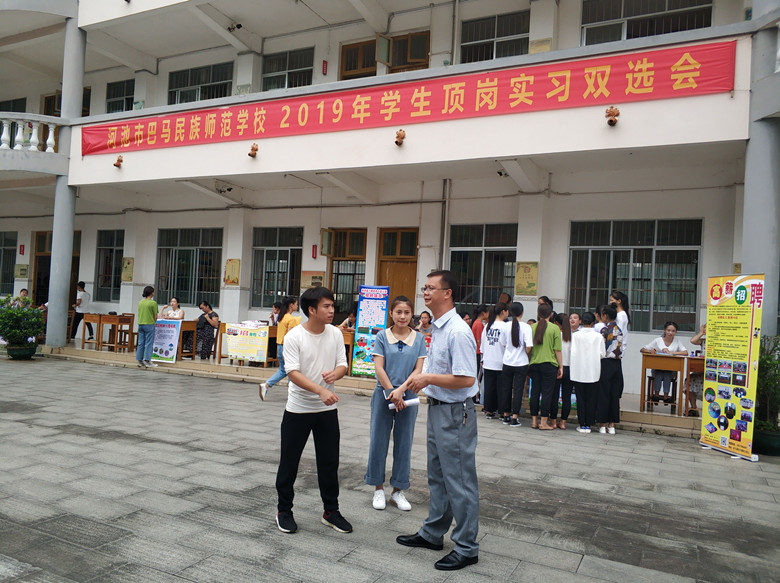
x=119, y=474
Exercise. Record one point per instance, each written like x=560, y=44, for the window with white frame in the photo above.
x=505, y=35
x=276, y=264
x=614, y=20
x=655, y=262
x=288, y=69
x=209, y=82
x=189, y=265
x=108, y=266
x=7, y=261
x=483, y=259
x=119, y=96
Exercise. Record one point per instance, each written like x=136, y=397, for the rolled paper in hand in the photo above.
x=407, y=402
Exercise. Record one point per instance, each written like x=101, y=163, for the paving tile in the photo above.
x=81, y=531
x=620, y=572
x=163, y=556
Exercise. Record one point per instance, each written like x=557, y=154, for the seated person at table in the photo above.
x=666, y=344
x=349, y=323
x=697, y=378
x=172, y=311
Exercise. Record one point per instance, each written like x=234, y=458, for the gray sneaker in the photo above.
x=149, y=363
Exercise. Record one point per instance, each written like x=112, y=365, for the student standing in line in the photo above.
x=399, y=353
x=287, y=323
x=587, y=350
x=566, y=387
x=147, y=316
x=546, y=365
x=481, y=314
x=600, y=322
x=517, y=340
x=620, y=302
x=574, y=322
x=315, y=360
x=493, y=361
x=610, y=381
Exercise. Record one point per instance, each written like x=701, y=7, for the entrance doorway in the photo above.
x=42, y=267
x=397, y=266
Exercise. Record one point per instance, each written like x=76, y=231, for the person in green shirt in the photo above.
x=147, y=315
x=546, y=365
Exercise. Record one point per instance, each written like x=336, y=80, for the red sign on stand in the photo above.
x=662, y=74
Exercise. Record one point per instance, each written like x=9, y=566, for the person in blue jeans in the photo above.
x=286, y=323
x=147, y=316
x=399, y=352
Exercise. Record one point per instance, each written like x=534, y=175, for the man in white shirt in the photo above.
x=587, y=350
x=314, y=359
x=81, y=307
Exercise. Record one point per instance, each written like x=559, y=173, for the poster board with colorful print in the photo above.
x=247, y=342
x=166, y=340
x=731, y=363
x=526, y=278
x=373, y=304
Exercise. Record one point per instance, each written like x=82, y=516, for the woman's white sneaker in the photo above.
x=400, y=500
x=379, y=500
x=611, y=430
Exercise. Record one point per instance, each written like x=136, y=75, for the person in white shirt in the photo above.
x=314, y=359
x=566, y=386
x=574, y=322
x=587, y=350
x=81, y=307
x=666, y=344
x=493, y=361
x=517, y=340
x=600, y=322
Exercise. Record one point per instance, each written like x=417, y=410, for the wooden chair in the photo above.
x=650, y=404
x=127, y=338
x=71, y=315
x=216, y=349
x=188, y=326
x=349, y=343
x=112, y=321
x=92, y=319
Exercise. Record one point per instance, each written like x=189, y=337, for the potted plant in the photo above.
x=20, y=324
x=766, y=437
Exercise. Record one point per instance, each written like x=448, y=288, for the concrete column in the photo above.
x=141, y=245
x=543, y=31
x=761, y=211
x=530, y=236
x=64, y=195
x=234, y=299
x=248, y=73
x=145, y=88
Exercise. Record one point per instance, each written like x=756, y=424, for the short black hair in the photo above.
x=148, y=290
x=81, y=284
x=312, y=297
x=277, y=305
x=449, y=280
x=609, y=312
x=24, y=289
x=588, y=318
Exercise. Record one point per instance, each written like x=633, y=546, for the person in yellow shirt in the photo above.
x=286, y=323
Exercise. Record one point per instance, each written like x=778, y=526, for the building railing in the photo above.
x=29, y=131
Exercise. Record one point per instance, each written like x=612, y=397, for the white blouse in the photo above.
x=659, y=345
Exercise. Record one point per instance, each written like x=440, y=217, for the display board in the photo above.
x=731, y=363
x=166, y=340
x=247, y=342
x=373, y=303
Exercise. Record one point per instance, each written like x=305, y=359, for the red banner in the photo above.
x=613, y=80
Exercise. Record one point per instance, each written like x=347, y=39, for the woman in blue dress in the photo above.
x=399, y=352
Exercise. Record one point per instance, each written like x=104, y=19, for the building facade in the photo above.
x=128, y=161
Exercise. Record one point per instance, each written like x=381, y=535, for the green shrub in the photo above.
x=17, y=324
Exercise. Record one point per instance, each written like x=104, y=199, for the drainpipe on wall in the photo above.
x=455, y=16
x=446, y=192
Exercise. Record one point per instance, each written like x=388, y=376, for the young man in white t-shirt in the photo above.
x=314, y=358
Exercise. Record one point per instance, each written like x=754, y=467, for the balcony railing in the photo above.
x=28, y=131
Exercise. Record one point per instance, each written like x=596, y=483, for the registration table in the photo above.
x=684, y=366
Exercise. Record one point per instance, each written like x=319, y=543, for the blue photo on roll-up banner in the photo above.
x=373, y=303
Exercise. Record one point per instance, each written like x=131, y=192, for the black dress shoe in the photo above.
x=455, y=561
x=415, y=540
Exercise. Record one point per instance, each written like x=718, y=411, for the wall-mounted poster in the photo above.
x=247, y=342
x=312, y=279
x=166, y=340
x=731, y=361
x=526, y=278
x=373, y=304
x=127, y=268
x=232, y=271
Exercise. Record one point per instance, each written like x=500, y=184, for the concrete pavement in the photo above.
x=118, y=474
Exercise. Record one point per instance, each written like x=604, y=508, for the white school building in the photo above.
x=128, y=129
